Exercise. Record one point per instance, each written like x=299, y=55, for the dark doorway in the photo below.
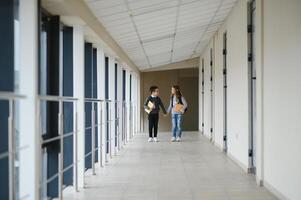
x=225, y=91
x=203, y=94
x=252, y=86
x=211, y=95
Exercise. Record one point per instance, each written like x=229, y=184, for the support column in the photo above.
x=112, y=107
x=119, y=98
x=101, y=107
x=127, y=89
x=139, y=103
x=79, y=92
x=29, y=133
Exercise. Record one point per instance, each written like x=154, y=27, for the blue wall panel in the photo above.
x=88, y=105
x=107, y=97
x=52, y=24
x=68, y=106
x=6, y=83
x=123, y=85
x=130, y=87
x=116, y=105
x=94, y=84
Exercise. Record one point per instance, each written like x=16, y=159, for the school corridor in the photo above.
x=76, y=77
x=192, y=169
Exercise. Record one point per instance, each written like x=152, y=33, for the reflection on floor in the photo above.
x=192, y=169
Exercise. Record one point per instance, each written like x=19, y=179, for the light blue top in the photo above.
x=172, y=104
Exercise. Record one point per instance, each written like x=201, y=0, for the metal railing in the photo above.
x=124, y=115
x=12, y=148
x=128, y=119
x=108, y=122
x=95, y=103
x=61, y=136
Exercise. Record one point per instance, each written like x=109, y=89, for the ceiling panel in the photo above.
x=145, y=6
x=158, y=46
x=157, y=32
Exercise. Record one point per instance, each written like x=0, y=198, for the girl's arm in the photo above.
x=170, y=106
x=184, y=102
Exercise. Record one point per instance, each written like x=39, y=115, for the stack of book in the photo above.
x=150, y=107
x=179, y=108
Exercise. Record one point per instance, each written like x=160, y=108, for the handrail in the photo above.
x=94, y=100
x=57, y=98
x=59, y=137
x=10, y=96
x=101, y=100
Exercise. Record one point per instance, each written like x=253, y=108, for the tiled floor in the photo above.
x=190, y=170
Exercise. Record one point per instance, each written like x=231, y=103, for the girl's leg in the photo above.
x=174, y=125
x=179, y=127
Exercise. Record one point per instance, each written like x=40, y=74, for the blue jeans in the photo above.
x=177, y=125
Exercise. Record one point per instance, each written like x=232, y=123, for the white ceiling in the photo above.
x=159, y=32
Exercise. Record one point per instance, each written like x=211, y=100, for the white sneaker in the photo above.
x=150, y=139
x=178, y=139
x=155, y=139
x=173, y=139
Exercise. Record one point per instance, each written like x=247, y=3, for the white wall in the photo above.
x=207, y=87
x=282, y=97
x=218, y=89
x=278, y=47
x=238, y=88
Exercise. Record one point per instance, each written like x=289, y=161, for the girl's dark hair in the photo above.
x=153, y=88
x=178, y=91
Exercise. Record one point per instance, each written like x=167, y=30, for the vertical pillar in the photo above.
x=127, y=89
x=119, y=98
x=136, y=103
x=139, y=103
x=79, y=92
x=29, y=134
x=101, y=107
x=112, y=107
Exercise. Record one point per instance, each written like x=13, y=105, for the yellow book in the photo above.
x=150, y=107
x=179, y=107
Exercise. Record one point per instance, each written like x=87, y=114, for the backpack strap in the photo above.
x=180, y=101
